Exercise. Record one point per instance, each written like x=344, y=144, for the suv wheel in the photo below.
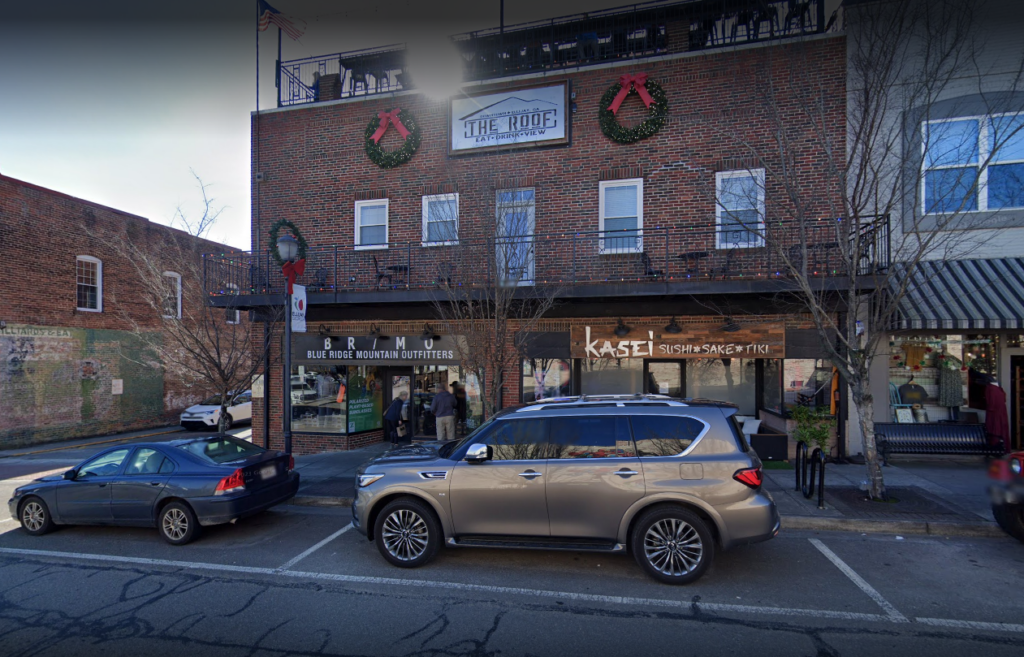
x=673, y=545
x=35, y=517
x=407, y=533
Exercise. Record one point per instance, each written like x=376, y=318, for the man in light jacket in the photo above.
x=443, y=408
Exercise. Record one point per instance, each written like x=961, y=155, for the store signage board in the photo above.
x=510, y=118
x=764, y=340
x=356, y=349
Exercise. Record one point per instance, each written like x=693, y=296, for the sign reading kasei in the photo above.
x=762, y=340
x=510, y=118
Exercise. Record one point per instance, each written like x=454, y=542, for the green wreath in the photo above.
x=656, y=115
x=276, y=229
x=391, y=159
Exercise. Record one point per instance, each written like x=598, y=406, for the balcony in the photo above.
x=576, y=264
x=633, y=32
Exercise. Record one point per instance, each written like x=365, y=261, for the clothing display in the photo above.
x=996, y=424
x=951, y=388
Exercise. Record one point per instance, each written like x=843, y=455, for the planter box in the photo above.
x=770, y=446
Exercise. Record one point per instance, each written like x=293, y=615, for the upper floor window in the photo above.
x=440, y=219
x=973, y=164
x=372, y=224
x=739, y=209
x=232, y=315
x=89, y=272
x=172, y=295
x=622, y=216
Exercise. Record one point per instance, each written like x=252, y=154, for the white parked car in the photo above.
x=206, y=415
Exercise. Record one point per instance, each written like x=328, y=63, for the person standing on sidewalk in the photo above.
x=443, y=408
x=393, y=416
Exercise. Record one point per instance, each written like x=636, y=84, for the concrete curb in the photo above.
x=966, y=529
x=320, y=500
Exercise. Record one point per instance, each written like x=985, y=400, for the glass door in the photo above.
x=664, y=378
x=400, y=382
x=428, y=381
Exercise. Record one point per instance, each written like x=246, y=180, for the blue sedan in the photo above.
x=177, y=486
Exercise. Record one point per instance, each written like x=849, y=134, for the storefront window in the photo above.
x=470, y=397
x=544, y=378
x=665, y=379
x=773, y=385
x=365, y=398
x=319, y=398
x=805, y=382
x=724, y=379
x=611, y=376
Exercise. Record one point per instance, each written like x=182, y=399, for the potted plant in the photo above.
x=813, y=427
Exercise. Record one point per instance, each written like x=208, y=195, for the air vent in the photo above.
x=440, y=474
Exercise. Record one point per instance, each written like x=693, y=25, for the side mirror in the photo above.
x=479, y=453
x=71, y=474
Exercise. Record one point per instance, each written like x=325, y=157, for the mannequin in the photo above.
x=996, y=424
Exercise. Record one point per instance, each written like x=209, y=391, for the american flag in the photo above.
x=270, y=15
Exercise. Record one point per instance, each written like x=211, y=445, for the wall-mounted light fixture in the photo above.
x=375, y=332
x=673, y=327
x=730, y=326
x=429, y=333
x=621, y=329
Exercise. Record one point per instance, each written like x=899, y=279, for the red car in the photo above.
x=1008, y=493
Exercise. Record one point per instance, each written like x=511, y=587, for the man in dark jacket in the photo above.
x=393, y=417
x=443, y=408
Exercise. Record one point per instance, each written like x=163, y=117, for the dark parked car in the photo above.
x=1007, y=491
x=177, y=486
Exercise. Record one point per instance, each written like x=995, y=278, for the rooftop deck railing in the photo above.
x=562, y=259
x=623, y=33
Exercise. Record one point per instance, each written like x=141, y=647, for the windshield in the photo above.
x=212, y=401
x=221, y=449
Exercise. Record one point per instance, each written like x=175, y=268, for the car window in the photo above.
x=103, y=466
x=167, y=466
x=590, y=437
x=517, y=440
x=144, y=461
x=243, y=399
x=664, y=435
x=221, y=449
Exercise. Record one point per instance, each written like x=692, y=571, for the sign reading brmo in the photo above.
x=766, y=340
x=510, y=118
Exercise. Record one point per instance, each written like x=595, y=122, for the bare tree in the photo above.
x=198, y=226
x=490, y=291
x=207, y=347
x=901, y=183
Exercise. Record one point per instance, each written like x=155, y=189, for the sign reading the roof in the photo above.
x=511, y=118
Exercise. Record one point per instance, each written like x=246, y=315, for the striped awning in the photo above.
x=963, y=294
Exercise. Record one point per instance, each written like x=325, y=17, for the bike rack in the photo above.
x=805, y=484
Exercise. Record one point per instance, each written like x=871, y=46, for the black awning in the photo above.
x=963, y=295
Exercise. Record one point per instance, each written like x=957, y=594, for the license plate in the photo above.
x=268, y=472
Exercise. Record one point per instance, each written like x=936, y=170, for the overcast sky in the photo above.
x=114, y=101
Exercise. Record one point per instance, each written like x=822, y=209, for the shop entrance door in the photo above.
x=1016, y=402
x=428, y=380
x=399, y=380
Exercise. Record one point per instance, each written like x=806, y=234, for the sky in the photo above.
x=117, y=101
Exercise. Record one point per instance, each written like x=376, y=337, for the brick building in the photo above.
x=71, y=365
x=660, y=285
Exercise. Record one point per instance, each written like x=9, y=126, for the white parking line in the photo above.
x=890, y=611
x=316, y=547
x=540, y=593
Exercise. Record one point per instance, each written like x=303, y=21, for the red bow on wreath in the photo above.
x=631, y=81
x=385, y=119
x=293, y=270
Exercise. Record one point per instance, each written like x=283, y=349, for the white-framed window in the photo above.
x=621, y=216
x=172, y=295
x=739, y=209
x=89, y=275
x=372, y=224
x=232, y=315
x=972, y=164
x=440, y=219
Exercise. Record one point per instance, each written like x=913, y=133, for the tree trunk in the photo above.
x=866, y=414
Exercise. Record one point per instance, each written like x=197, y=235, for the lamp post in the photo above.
x=288, y=250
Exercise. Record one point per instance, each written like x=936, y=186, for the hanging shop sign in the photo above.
x=356, y=349
x=764, y=340
x=523, y=117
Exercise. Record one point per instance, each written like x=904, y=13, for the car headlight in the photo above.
x=209, y=412
x=367, y=479
x=1015, y=466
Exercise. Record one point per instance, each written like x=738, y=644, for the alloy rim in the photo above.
x=33, y=516
x=175, y=524
x=673, y=547
x=405, y=535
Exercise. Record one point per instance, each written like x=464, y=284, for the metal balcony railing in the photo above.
x=564, y=259
x=622, y=33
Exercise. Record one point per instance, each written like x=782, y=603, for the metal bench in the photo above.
x=895, y=438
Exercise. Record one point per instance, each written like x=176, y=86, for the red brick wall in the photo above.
x=315, y=166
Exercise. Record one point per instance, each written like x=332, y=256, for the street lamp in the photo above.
x=288, y=250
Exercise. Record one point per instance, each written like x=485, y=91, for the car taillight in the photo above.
x=291, y=462
x=751, y=477
x=232, y=483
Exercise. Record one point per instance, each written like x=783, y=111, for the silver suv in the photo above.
x=670, y=480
